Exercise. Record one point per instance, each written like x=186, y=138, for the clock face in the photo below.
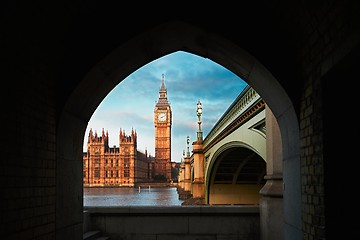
x=162, y=117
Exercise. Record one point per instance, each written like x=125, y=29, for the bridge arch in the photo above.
x=225, y=175
x=158, y=42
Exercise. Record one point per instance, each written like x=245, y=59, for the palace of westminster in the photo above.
x=125, y=165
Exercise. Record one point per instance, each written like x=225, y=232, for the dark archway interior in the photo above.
x=98, y=30
x=339, y=141
x=49, y=50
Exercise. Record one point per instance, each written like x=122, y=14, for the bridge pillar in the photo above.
x=271, y=200
x=181, y=176
x=187, y=179
x=198, y=183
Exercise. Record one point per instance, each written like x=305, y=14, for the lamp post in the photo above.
x=188, y=149
x=198, y=186
x=198, y=113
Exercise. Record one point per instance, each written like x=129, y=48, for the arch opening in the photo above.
x=236, y=177
x=142, y=50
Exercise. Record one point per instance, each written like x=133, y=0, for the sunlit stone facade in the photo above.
x=162, y=123
x=115, y=166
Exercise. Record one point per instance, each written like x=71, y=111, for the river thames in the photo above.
x=145, y=196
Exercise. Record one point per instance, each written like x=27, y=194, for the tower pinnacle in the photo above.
x=163, y=81
x=163, y=101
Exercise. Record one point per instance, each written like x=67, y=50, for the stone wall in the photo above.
x=191, y=222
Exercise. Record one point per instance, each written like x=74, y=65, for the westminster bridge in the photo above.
x=238, y=162
x=229, y=165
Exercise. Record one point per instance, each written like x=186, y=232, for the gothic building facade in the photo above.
x=115, y=166
x=125, y=165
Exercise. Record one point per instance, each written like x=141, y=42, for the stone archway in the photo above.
x=238, y=188
x=139, y=51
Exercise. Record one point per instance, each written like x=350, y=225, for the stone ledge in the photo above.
x=175, y=210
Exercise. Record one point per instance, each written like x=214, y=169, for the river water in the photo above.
x=129, y=196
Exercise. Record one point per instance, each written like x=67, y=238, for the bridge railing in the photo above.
x=245, y=100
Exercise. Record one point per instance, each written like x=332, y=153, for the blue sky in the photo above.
x=188, y=78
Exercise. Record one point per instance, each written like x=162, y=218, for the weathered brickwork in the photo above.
x=28, y=186
x=323, y=48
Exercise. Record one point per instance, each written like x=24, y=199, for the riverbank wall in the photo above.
x=142, y=185
x=156, y=184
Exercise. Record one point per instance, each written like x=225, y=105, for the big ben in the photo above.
x=162, y=122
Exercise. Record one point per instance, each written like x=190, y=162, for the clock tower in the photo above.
x=162, y=122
